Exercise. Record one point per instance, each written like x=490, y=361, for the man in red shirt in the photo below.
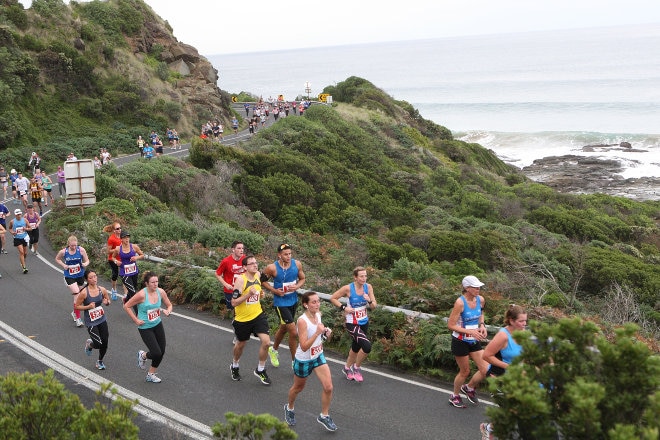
x=230, y=267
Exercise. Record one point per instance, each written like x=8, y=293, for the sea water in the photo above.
x=525, y=96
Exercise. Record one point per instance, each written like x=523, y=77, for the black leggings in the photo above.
x=99, y=335
x=154, y=339
x=130, y=282
x=359, y=335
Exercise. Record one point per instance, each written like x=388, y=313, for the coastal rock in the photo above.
x=589, y=175
x=625, y=145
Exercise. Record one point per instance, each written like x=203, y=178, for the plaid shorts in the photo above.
x=305, y=368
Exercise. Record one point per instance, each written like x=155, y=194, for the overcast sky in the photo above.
x=217, y=27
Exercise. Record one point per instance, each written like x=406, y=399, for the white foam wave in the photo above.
x=521, y=149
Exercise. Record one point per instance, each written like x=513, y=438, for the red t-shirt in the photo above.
x=229, y=268
x=113, y=241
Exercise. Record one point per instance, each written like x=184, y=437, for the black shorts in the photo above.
x=462, y=348
x=287, y=314
x=258, y=325
x=80, y=281
x=159, y=150
x=19, y=242
x=34, y=236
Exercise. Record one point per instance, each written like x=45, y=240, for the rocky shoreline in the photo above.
x=588, y=175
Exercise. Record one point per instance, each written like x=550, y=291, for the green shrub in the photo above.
x=165, y=226
x=222, y=235
x=38, y=406
x=255, y=427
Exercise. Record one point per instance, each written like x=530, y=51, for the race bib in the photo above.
x=130, y=269
x=33, y=225
x=253, y=299
x=467, y=338
x=288, y=287
x=360, y=313
x=96, y=313
x=153, y=314
x=20, y=230
x=74, y=270
x=316, y=350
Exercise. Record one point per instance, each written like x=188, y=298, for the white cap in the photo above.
x=17, y=212
x=13, y=171
x=472, y=281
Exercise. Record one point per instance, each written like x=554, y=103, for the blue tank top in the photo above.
x=74, y=260
x=512, y=350
x=285, y=277
x=148, y=312
x=359, y=305
x=96, y=315
x=127, y=267
x=469, y=320
x=19, y=227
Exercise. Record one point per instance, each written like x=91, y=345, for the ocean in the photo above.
x=525, y=96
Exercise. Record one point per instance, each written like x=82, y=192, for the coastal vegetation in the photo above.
x=367, y=181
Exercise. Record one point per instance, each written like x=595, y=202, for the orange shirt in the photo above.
x=113, y=241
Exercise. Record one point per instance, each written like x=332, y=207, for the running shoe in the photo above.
x=263, y=377
x=471, y=395
x=274, y=357
x=235, y=375
x=456, y=401
x=79, y=322
x=151, y=377
x=141, y=360
x=100, y=365
x=113, y=294
x=88, y=347
x=357, y=374
x=485, y=433
x=327, y=422
x=289, y=415
x=73, y=315
x=348, y=372
x=4, y=251
x=25, y=270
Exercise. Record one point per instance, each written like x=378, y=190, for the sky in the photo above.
x=218, y=27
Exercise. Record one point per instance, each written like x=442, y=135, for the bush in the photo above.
x=573, y=381
x=253, y=427
x=37, y=406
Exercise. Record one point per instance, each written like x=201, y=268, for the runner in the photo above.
x=19, y=228
x=249, y=319
x=73, y=259
x=360, y=297
x=114, y=240
x=128, y=254
x=150, y=326
x=309, y=357
x=91, y=300
x=229, y=269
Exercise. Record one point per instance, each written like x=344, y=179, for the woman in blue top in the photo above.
x=501, y=351
x=91, y=300
x=150, y=326
x=466, y=321
x=360, y=298
x=73, y=259
x=19, y=228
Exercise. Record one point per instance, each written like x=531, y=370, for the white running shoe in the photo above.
x=79, y=322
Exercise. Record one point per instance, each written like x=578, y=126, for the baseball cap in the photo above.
x=472, y=281
x=17, y=212
x=13, y=171
x=124, y=234
x=283, y=247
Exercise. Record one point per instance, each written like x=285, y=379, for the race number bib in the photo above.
x=130, y=269
x=360, y=312
x=467, y=338
x=20, y=230
x=33, y=225
x=288, y=287
x=253, y=299
x=153, y=314
x=96, y=313
x=318, y=349
x=74, y=270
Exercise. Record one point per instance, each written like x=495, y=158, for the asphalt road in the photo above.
x=37, y=332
